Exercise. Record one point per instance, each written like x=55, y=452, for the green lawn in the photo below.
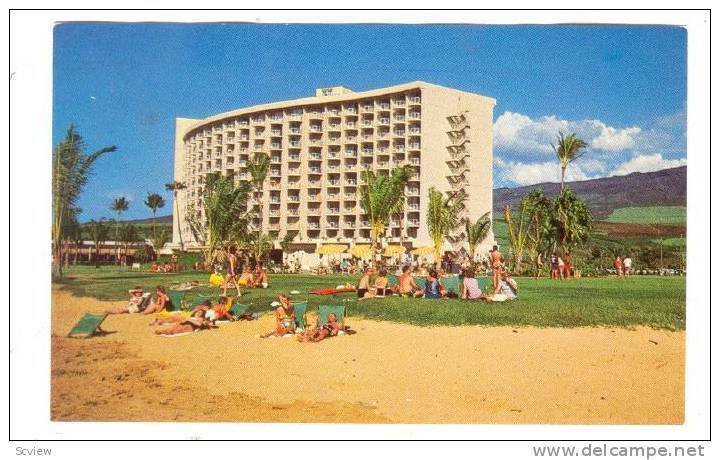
x=657, y=302
x=674, y=242
x=657, y=215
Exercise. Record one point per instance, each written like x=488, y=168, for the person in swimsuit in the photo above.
x=193, y=323
x=363, y=288
x=232, y=271
x=568, y=265
x=433, y=288
x=561, y=267
x=284, y=318
x=329, y=329
x=539, y=264
x=618, y=266
x=161, y=301
x=554, y=267
x=407, y=287
x=496, y=261
x=381, y=283
x=260, y=280
x=137, y=303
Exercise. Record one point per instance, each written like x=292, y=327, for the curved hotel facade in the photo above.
x=319, y=146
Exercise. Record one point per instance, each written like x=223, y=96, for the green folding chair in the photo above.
x=87, y=326
x=420, y=281
x=176, y=300
x=238, y=309
x=325, y=310
x=482, y=282
x=451, y=283
x=300, y=310
x=392, y=280
x=199, y=299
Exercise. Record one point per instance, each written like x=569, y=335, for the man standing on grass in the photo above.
x=496, y=261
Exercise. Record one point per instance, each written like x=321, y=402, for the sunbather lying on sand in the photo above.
x=138, y=302
x=329, y=329
x=190, y=324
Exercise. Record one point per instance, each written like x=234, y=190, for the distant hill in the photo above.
x=666, y=187
x=159, y=220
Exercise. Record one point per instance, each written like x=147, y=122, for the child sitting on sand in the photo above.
x=189, y=324
x=329, y=329
x=138, y=302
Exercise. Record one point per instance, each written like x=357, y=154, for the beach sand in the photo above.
x=386, y=373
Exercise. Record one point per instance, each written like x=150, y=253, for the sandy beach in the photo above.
x=386, y=373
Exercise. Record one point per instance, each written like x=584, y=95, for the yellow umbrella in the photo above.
x=327, y=249
x=393, y=250
x=423, y=251
x=361, y=251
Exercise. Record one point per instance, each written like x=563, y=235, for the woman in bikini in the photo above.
x=284, y=318
x=231, y=271
x=161, y=302
x=363, y=288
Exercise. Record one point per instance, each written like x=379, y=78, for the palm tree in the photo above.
x=175, y=187
x=381, y=196
x=443, y=216
x=572, y=219
x=476, y=232
x=258, y=169
x=569, y=149
x=154, y=201
x=119, y=205
x=71, y=169
x=128, y=234
x=98, y=231
x=225, y=219
x=259, y=245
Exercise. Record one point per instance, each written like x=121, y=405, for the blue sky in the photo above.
x=621, y=88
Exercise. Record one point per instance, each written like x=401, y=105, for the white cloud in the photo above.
x=522, y=134
x=515, y=131
x=647, y=163
x=615, y=139
x=534, y=173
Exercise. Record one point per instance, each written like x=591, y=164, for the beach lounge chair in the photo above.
x=420, y=280
x=87, y=326
x=300, y=310
x=325, y=310
x=392, y=280
x=451, y=283
x=199, y=299
x=176, y=300
x=238, y=309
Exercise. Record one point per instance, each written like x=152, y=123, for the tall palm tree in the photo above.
x=568, y=149
x=70, y=172
x=175, y=187
x=443, y=216
x=154, y=201
x=477, y=231
x=381, y=196
x=98, y=231
x=258, y=170
x=119, y=205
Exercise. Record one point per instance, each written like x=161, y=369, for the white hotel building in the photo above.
x=319, y=146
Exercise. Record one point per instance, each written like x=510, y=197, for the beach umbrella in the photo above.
x=361, y=251
x=328, y=249
x=423, y=251
x=393, y=250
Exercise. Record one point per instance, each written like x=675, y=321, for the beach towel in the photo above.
x=87, y=326
x=331, y=291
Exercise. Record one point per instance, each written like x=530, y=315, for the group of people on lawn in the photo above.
x=504, y=287
x=237, y=276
